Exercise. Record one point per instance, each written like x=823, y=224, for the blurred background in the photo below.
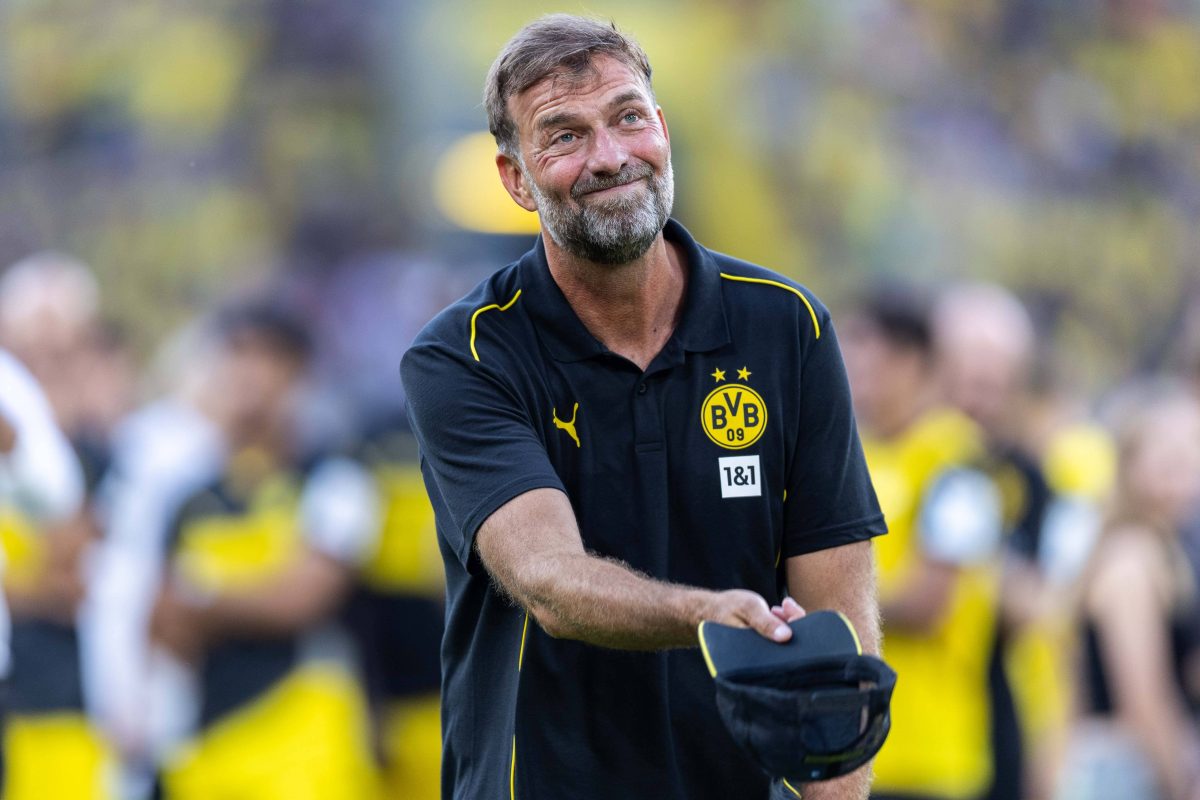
x=180, y=159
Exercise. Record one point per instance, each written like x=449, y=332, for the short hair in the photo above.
x=900, y=314
x=282, y=331
x=562, y=43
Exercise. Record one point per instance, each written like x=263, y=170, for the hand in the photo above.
x=744, y=609
x=177, y=624
x=789, y=611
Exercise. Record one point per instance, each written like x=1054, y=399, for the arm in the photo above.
x=38, y=468
x=532, y=548
x=960, y=525
x=340, y=518
x=303, y=594
x=840, y=578
x=919, y=604
x=1126, y=602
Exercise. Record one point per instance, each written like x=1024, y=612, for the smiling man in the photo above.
x=623, y=434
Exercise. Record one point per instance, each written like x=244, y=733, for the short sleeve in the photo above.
x=960, y=520
x=830, y=499
x=340, y=510
x=479, y=448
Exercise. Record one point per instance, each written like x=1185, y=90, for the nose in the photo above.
x=607, y=155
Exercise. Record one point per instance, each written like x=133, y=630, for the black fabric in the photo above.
x=46, y=675
x=1025, y=498
x=495, y=416
x=810, y=709
x=399, y=636
x=1178, y=630
x=1008, y=758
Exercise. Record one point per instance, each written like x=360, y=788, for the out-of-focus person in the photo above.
x=937, y=578
x=1138, y=734
x=41, y=482
x=162, y=454
x=397, y=615
x=49, y=316
x=257, y=563
x=985, y=342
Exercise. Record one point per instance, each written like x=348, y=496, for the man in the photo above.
x=41, y=482
x=937, y=582
x=985, y=342
x=623, y=434
x=49, y=318
x=257, y=562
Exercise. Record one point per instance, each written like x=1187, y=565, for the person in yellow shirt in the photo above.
x=937, y=577
x=257, y=564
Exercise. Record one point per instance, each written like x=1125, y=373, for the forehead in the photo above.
x=564, y=91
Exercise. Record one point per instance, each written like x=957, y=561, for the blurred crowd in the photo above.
x=242, y=598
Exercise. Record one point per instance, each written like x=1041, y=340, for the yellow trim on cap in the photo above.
x=479, y=311
x=712, y=669
x=853, y=632
x=792, y=289
x=791, y=788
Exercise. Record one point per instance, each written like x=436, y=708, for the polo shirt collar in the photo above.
x=702, y=326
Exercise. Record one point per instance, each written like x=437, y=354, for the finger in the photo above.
x=792, y=610
x=762, y=620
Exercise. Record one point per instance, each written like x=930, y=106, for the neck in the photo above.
x=631, y=308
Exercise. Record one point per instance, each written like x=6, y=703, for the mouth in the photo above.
x=620, y=188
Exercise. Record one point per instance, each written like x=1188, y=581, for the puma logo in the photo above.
x=569, y=427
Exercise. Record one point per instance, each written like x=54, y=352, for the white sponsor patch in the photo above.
x=741, y=476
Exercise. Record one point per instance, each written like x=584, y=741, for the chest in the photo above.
x=679, y=471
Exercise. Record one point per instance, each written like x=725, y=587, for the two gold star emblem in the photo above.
x=743, y=374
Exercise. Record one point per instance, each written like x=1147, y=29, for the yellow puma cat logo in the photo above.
x=569, y=427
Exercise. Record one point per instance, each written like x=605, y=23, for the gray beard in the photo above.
x=615, y=231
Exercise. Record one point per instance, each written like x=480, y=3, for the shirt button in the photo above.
x=642, y=388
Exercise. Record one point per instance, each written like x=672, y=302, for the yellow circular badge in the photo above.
x=734, y=416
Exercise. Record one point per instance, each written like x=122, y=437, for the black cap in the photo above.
x=809, y=709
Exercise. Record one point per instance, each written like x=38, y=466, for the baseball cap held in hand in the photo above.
x=809, y=709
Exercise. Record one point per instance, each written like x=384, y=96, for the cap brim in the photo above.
x=817, y=635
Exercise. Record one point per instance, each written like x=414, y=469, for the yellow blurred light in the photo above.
x=468, y=192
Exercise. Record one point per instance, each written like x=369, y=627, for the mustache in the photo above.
x=627, y=174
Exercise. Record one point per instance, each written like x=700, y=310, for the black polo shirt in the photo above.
x=681, y=471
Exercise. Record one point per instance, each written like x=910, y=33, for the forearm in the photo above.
x=607, y=603
x=920, y=604
x=855, y=786
x=842, y=579
x=301, y=596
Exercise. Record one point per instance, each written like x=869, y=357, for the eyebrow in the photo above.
x=562, y=118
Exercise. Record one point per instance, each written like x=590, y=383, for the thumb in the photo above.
x=767, y=624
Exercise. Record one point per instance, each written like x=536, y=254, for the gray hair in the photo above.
x=555, y=43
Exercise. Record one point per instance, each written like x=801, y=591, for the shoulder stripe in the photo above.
x=479, y=311
x=792, y=289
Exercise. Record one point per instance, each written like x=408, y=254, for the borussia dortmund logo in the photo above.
x=733, y=415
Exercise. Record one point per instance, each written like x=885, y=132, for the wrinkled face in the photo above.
x=595, y=162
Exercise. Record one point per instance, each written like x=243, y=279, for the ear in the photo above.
x=662, y=120
x=514, y=182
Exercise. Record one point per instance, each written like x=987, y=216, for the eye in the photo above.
x=631, y=117
x=564, y=138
